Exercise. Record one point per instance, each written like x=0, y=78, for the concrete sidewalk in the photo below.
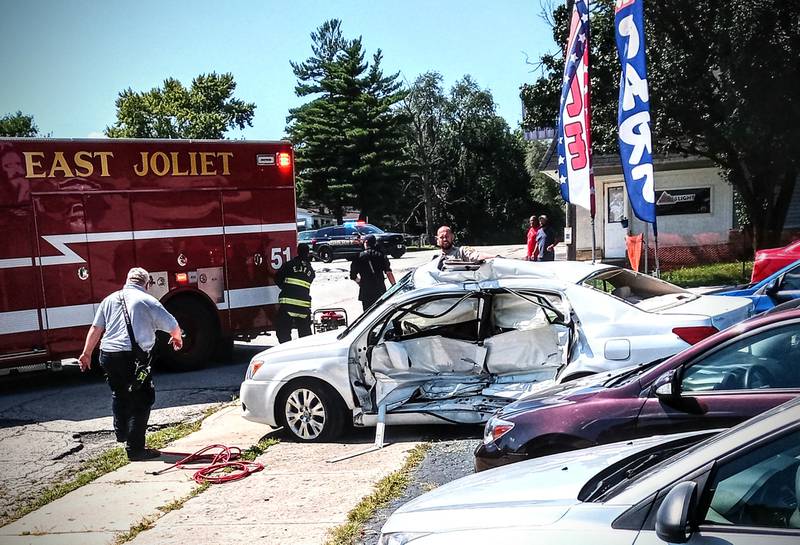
x=295, y=500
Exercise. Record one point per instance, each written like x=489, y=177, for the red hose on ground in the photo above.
x=224, y=462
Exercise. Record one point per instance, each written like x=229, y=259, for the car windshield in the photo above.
x=403, y=285
x=619, y=475
x=368, y=230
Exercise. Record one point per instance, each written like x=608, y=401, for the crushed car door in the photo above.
x=432, y=337
x=461, y=357
x=529, y=338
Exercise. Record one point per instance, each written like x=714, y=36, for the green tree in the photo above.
x=206, y=110
x=426, y=142
x=467, y=160
x=723, y=84
x=349, y=136
x=18, y=124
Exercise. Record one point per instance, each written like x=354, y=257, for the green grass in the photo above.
x=258, y=449
x=719, y=274
x=102, y=464
x=390, y=487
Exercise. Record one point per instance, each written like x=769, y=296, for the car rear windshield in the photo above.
x=640, y=290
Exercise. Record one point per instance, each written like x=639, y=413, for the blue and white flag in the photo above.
x=574, y=146
x=635, y=145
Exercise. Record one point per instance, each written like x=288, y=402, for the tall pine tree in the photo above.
x=349, y=137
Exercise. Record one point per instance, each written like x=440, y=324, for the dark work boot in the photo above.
x=143, y=454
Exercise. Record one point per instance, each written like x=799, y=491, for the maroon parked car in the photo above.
x=719, y=382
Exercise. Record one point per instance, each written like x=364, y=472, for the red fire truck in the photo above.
x=210, y=220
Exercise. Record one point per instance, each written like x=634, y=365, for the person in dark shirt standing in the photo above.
x=368, y=271
x=545, y=240
x=294, y=279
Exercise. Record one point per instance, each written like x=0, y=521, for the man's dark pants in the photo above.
x=368, y=297
x=131, y=409
x=289, y=318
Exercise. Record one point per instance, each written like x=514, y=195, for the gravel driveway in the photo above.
x=444, y=462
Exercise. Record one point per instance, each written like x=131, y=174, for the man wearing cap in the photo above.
x=294, y=279
x=130, y=400
x=368, y=272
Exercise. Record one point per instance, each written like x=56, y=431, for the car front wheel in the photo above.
x=311, y=412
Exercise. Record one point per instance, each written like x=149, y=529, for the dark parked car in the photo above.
x=345, y=241
x=719, y=382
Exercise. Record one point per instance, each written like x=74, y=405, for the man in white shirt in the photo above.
x=130, y=401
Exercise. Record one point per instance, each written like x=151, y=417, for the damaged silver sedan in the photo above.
x=454, y=346
x=450, y=353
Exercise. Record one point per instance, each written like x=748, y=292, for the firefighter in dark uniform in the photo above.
x=294, y=279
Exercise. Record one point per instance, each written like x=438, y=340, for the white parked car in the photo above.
x=740, y=487
x=453, y=346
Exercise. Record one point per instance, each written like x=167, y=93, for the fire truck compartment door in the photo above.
x=63, y=260
x=20, y=296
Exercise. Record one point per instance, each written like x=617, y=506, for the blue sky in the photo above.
x=65, y=62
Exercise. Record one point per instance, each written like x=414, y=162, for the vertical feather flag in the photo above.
x=635, y=145
x=574, y=147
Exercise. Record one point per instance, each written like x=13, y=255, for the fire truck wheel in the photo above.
x=325, y=254
x=311, y=411
x=224, y=350
x=200, y=334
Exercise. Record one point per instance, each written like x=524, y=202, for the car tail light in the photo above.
x=694, y=335
x=284, y=159
x=495, y=429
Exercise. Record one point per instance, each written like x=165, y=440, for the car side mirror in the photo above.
x=665, y=388
x=672, y=520
x=773, y=287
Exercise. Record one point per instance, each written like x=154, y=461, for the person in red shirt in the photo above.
x=533, y=230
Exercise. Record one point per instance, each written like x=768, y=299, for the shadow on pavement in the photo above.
x=402, y=434
x=72, y=395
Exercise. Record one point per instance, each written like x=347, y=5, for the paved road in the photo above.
x=51, y=423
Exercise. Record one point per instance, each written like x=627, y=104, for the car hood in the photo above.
x=532, y=493
x=321, y=344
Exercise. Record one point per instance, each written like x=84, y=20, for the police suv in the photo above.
x=346, y=241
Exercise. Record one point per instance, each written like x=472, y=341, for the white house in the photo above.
x=694, y=210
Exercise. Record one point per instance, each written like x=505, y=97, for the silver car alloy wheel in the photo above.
x=305, y=414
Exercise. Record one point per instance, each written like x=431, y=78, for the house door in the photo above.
x=614, y=232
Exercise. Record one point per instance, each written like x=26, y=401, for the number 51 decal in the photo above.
x=277, y=255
